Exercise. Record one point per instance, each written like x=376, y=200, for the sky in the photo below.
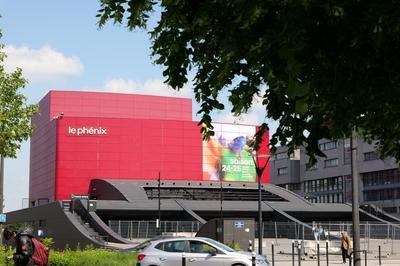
x=59, y=46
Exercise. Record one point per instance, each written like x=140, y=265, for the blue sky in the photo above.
x=59, y=47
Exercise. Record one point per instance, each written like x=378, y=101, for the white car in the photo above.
x=195, y=251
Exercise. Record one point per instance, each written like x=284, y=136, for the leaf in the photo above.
x=301, y=106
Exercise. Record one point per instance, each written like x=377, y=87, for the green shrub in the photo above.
x=47, y=241
x=234, y=246
x=4, y=253
x=90, y=256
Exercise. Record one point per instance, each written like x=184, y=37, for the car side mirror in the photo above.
x=212, y=252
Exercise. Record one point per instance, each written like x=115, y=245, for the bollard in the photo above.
x=272, y=254
x=350, y=258
x=250, y=248
x=327, y=253
x=379, y=255
x=319, y=262
x=292, y=252
x=366, y=260
x=183, y=259
x=299, y=251
x=253, y=259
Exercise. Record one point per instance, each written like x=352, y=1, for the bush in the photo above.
x=47, y=241
x=4, y=253
x=234, y=246
x=90, y=256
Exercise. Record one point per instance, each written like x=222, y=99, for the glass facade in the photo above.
x=326, y=190
x=370, y=156
x=386, y=177
x=328, y=145
x=331, y=162
x=283, y=171
x=381, y=185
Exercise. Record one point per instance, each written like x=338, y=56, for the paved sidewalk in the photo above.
x=333, y=260
x=390, y=252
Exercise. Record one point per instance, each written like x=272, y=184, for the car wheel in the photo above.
x=238, y=264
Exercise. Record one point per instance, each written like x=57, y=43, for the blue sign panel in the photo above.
x=239, y=224
x=2, y=218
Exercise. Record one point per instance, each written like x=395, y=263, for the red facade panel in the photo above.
x=125, y=136
x=118, y=105
x=122, y=149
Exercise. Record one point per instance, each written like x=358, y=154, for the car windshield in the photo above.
x=142, y=246
x=220, y=245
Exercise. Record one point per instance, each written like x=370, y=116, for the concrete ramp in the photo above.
x=190, y=211
x=288, y=215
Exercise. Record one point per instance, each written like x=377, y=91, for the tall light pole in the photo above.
x=159, y=205
x=220, y=226
x=259, y=172
x=355, y=203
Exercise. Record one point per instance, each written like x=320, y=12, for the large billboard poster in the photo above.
x=226, y=155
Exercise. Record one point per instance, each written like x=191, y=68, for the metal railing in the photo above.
x=290, y=230
x=147, y=229
x=293, y=230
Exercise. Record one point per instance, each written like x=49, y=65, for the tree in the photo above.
x=330, y=66
x=15, y=116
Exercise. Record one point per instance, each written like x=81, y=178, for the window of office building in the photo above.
x=328, y=198
x=283, y=171
x=281, y=156
x=331, y=162
x=370, y=156
x=332, y=184
x=328, y=146
x=382, y=194
x=386, y=177
x=346, y=152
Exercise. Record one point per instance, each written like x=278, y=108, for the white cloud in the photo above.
x=41, y=64
x=255, y=116
x=148, y=87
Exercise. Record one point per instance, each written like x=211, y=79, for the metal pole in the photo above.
x=272, y=254
x=355, y=205
x=292, y=252
x=299, y=251
x=260, y=220
x=159, y=204
x=379, y=255
x=368, y=235
x=391, y=249
x=221, y=210
x=253, y=259
x=183, y=259
x=394, y=233
x=366, y=260
x=319, y=262
x=2, y=193
x=327, y=252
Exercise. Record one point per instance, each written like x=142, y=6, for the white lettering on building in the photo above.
x=78, y=131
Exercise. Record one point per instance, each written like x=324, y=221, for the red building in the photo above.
x=80, y=136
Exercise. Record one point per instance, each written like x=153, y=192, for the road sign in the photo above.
x=239, y=224
x=2, y=218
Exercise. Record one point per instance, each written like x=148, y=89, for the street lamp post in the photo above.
x=259, y=172
x=159, y=205
x=355, y=203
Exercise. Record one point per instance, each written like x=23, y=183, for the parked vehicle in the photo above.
x=196, y=251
